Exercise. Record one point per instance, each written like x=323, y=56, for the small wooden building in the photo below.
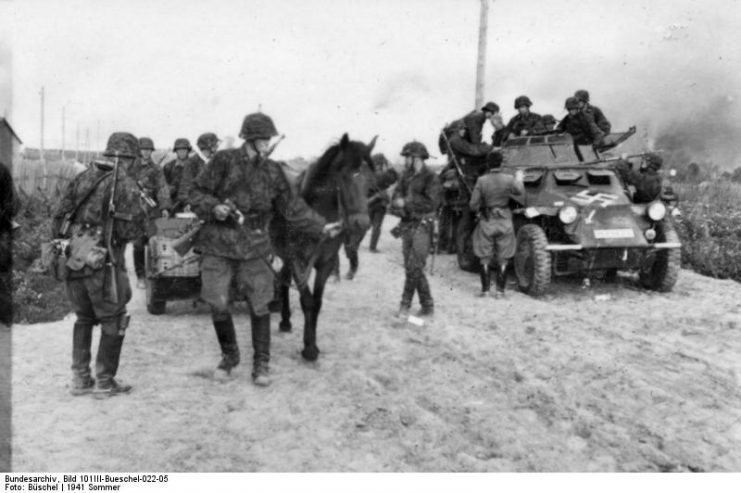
x=9, y=144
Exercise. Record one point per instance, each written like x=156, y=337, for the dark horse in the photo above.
x=335, y=186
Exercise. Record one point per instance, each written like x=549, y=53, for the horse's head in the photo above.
x=337, y=184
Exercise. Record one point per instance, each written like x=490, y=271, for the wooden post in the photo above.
x=63, y=131
x=42, y=124
x=481, y=63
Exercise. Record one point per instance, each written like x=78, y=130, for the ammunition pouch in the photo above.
x=85, y=250
x=54, y=258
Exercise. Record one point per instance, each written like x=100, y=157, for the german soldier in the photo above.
x=582, y=96
x=494, y=237
x=96, y=280
x=524, y=122
x=415, y=200
x=208, y=144
x=174, y=171
x=647, y=182
x=580, y=125
x=236, y=195
x=151, y=180
x=379, y=199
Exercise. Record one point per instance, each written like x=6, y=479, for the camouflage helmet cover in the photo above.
x=491, y=107
x=122, y=144
x=145, y=143
x=257, y=126
x=182, y=143
x=207, y=141
x=582, y=95
x=548, y=119
x=522, y=101
x=571, y=103
x=379, y=160
x=415, y=149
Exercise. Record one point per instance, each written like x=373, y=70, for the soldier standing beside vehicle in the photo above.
x=242, y=183
x=524, y=122
x=96, y=280
x=151, y=181
x=174, y=171
x=208, y=144
x=580, y=125
x=416, y=199
x=494, y=236
x=647, y=182
x=597, y=115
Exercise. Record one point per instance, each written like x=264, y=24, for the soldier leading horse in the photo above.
x=336, y=186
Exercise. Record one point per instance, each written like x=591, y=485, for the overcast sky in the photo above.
x=397, y=68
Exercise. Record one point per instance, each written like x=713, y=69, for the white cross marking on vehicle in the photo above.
x=585, y=197
x=588, y=219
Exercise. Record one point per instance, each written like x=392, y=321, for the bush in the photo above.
x=37, y=297
x=710, y=228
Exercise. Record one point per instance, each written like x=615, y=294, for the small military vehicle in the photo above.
x=578, y=217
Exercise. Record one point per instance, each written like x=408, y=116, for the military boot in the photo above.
x=261, y=347
x=406, y=297
x=353, y=258
x=82, y=338
x=485, y=275
x=229, y=348
x=501, y=280
x=425, y=297
x=106, y=366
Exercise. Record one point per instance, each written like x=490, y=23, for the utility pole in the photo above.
x=42, y=124
x=481, y=63
x=77, y=149
x=63, y=131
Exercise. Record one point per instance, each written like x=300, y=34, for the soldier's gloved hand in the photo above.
x=221, y=212
x=332, y=229
x=399, y=203
x=519, y=175
x=165, y=213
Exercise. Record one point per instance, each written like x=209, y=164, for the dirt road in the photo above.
x=641, y=382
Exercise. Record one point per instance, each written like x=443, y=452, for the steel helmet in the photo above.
x=209, y=140
x=146, y=143
x=571, y=103
x=415, y=149
x=122, y=144
x=182, y=143
x=491, y=107
x=256, y=126
x=582, y=95
x=523, y=101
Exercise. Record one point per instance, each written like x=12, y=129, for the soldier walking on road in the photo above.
x=174, y=172
x=236, y=195
x=494, y=237
x=96, y=279
x=151, y=180
x=208, y=144
x=416, y=199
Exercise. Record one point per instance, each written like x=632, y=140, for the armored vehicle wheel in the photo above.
x=464, y=244
x=661, y=270
x=532, y=260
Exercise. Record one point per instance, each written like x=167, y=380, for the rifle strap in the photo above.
x=88, y=193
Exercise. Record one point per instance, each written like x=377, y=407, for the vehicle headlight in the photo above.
x=656, y=211
x=567, y=214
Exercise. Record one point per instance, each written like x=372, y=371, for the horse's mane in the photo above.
x=319, y=168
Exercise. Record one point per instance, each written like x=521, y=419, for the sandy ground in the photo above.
x=640, y=382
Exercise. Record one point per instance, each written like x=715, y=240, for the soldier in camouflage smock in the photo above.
x=174, y=172
x=94, y=272
x=416, y=199
x=241, y=183
x=647, y=181
x=151, y=180
x=525, y=122
x=208, y=144
x=580, y=125
x=597, y=114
